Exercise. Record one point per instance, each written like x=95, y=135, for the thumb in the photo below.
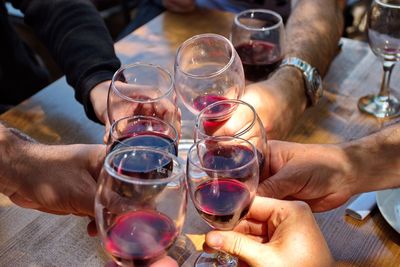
x=236, y=244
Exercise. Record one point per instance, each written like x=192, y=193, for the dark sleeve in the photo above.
x=77, y=38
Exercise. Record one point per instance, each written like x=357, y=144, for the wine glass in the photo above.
x=258, y=36
x=207, y=69
x=140, y=204
x=234, y=118
x=384, y=40
x=143, y=131
x=143, y=89
x=222, y=174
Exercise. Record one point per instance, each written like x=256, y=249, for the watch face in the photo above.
x=316, y=83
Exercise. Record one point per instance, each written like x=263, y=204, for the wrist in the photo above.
x=98, y=98
x=290, y=80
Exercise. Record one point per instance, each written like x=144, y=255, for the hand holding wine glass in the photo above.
x=384, y=40
x=272, y=234
x=222, y=174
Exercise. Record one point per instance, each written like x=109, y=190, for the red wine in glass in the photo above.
x=259, y=59
x=222, y=202
x=140, y=237
x=148, y=139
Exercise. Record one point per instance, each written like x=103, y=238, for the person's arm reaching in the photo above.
x=312, y=34
x=275, y=233
x=326, y=176
x=59, y=179
x=79, y=41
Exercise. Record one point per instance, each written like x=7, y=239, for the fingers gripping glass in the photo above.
x=222, y=174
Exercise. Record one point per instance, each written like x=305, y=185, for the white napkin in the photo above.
x=362, y=206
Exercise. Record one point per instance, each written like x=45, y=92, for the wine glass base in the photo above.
x=380, y=106
x=210, y=260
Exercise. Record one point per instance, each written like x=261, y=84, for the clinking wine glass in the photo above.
x=140, y=204
x=384, y=40
x=222, y=175
x=143, y=89
x=143, y=131
x=238, y=119
x=258, y=36
x=207, y=69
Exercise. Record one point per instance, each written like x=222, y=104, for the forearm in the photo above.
x=313, y=32
x=375, y=160
x=78, y=39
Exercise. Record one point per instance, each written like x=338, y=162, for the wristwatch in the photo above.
x=312, y=79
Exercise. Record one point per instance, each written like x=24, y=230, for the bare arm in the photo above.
x=375, y=160
x=312, y=34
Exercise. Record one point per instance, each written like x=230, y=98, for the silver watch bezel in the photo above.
x=312, y=78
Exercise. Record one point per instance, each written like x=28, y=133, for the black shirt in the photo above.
x=76, y=37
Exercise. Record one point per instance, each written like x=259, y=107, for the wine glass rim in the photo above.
x=144, y=117
x=204, y=35
x=380, y=2
x=221, y=138
x=238, y=101
x=276, y=25
x=133, y=180
x=147, y=65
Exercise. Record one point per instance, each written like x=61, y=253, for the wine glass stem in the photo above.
x=225, y=259
x=387, y=73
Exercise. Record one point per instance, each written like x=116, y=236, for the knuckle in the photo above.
x=237, y=246
x=300, y=206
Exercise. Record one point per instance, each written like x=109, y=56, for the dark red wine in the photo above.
x=200, y=102
x=222, y=202
x=147, y=139
x=221, y=158
x=259, y=59
x=140, y=237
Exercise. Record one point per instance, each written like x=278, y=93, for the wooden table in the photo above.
x=31, y=238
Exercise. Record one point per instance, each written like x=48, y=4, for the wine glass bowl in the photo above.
x=142, y=89
x=222, y=175
x=140, y=204
x=143, y=131
x=258, y=36
x=207, y=69
x=234, y=118
x=384, y=40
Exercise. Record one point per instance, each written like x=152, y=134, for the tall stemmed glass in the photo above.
x=222, y=174
x=234, y=118
x=207, y=69
x=140, y=204
x=143, y=131
x=384, y=40
x=258, y=36
x=143, y=89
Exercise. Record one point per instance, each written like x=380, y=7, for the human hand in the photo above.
x=320, y=175
x=59, y=179
x=179, y=6
x=275, y=233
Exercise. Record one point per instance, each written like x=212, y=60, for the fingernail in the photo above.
x=214, y=240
